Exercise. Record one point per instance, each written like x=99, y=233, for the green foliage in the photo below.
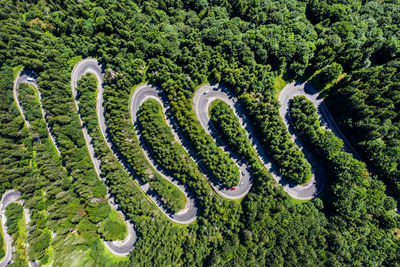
x=179, y=45
x=28, y=94
x=15, y=222
x=358, y=198
x=39, y=243
x=98, y=211
x=87, y=104
x=113, y=227
x=14, y=213
x=2, y=244
x=366, y=104
x=155, y=230
x=275, y=137
x=328, y=74
x=14, y=155
x=126, y=141
x=167, y=151
x=179, y=92
x=228, y=125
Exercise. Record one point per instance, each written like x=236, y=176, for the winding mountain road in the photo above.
x=140, y=95
x=147, y=91
x=186, y=215
x=209, y=93
x=8, y=197
x=202, y=101
x=119, y=248
x=303, y=89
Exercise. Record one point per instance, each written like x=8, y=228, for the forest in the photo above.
x=226, y=122
x=347, y=50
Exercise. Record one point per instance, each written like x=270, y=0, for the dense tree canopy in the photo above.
x=349, y=48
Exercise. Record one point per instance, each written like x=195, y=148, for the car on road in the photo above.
x=241, y=184
x=206, y=92
x=242, y=172
x=232, y=189
x=31, y=80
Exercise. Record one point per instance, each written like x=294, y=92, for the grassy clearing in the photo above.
x=325, y=90
x=34, y=164
x=3, y=247
x=213, y=104
x=319, y=86
x=73, y=61
x=297, y=201
x=238, y=201
x=117, y=217
x=307, y=179
x=16, y=70
x=113, y=227
x=279, y=84
x=73, y=252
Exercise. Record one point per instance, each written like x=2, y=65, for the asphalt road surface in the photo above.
x=141, y=94
x=203, y=99
x=23, y=77
x=119, y=248
x=303, y=89
x=8, y=197
x=185, y=216
x=201, y=102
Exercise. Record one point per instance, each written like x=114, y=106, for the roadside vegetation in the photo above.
x=227, y=124
x=214, y=159
x=2, y=243
x=367, y=105
x=179, y=45
x=16, y=229
x=172, y=197
x=264, y=114
x=155, y=230
x=43, y=195
x=167, y=151
x=364, y=194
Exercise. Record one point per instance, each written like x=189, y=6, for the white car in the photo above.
x=31, y=80
x=242, y=173
x=206, y=92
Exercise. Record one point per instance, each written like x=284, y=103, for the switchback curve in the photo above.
x=185, y=216
x=119, y=248
x=148, y=91
x=303, y=89
x=203, y=98
x=9, y=197
x=140, y=95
